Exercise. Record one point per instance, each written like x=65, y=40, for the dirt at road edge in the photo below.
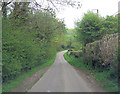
x=28, y=82
x=91, y=82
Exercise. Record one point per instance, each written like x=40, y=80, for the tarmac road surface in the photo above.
x=61, y=77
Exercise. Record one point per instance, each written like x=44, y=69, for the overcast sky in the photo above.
x=105, y=7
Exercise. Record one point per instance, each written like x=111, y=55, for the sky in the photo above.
x=105, y=7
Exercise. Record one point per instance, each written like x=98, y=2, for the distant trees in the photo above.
x=71, y=40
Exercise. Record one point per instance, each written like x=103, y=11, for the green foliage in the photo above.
x=71, y=41
x=30, y=43
x=7, y=87
x=92, y=27
x=110, y=83
x=109, y=25
x=99, y=37
x=88, y=29
x=77, y=62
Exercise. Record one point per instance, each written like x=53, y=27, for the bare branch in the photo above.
x=56, y=4
x=53, y=4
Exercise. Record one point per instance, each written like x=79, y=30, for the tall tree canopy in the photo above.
x=92, y=27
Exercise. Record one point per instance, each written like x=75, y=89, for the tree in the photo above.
x=32, y=44
x=33, y=40
x=44, y=5
x=4, y=8
x=110, y=25
x=20, y=9
x=88, y=29
x=56, y=4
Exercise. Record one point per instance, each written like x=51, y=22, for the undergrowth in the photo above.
x=110, y=83
x=7, y=87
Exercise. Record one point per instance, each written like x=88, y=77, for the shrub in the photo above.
x=102, y=52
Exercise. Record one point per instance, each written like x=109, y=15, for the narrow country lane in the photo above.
x=61, y=77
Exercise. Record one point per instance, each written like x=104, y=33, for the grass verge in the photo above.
x=110, y=84
x=7, y=87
